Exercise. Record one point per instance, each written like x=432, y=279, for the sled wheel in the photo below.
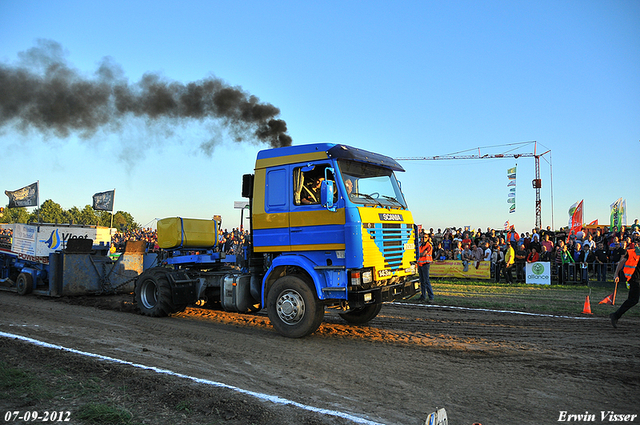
x=153, y=294
x=24, y=283
x=293, y=308
x=362, y=315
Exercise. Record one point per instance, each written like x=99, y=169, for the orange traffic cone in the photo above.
x=587, y=306
x=607, y=300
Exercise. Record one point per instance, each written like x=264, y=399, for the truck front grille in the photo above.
x=390, y=239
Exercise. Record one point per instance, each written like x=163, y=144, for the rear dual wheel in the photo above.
x=153, y=294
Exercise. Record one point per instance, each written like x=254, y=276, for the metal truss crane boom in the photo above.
x=536, y=183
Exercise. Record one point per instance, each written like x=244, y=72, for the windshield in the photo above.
x=371, y=185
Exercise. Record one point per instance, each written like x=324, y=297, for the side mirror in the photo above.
x=327, y=190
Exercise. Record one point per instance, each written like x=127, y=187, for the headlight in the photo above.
x=361, y=277
x=367, y=277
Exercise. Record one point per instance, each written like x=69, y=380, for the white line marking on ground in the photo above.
x=261, y=396
x=494, y=311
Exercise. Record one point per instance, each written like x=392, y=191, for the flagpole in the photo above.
x=553, y=226
x=38, y=198
x=114, y=202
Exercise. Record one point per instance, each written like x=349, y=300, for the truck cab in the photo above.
x=333, y=230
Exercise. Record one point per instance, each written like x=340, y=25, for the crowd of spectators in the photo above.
x=5, y=238
x=233, y=242
x=119, y=239
x=575, y=257
x=588, y=254
x=229, y=242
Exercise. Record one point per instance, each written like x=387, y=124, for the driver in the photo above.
x=311, y=192
x=349, y=185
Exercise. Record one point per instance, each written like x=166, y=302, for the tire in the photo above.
x=153, y=294
x=362, y=315
x=293, y=308
x=24, y=284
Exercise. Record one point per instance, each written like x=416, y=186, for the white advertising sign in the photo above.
x=538, y=273
x=36, y=242
x=24, y=239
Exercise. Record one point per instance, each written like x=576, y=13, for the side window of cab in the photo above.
x=307, y=181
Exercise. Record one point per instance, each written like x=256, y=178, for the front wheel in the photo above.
x=362, y=315
x=293, y=309
x=24, y=284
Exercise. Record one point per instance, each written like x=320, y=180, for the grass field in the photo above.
x=549, y=299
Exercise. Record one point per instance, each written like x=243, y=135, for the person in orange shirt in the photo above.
x=424, y=263
x=629, y=265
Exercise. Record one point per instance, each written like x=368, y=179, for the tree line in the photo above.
x=52, y=212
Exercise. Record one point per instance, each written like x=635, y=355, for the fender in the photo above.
x=319, y=275
x=35, y=273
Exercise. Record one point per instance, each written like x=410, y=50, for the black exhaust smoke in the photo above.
x=44, y=93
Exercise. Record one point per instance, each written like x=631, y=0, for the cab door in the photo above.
x=312, y=226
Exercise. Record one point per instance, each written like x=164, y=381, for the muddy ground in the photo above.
x=482, y=366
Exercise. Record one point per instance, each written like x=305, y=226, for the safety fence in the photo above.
x=572, y=273
x=577, y=273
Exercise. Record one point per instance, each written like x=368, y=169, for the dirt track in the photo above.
x=487, y=367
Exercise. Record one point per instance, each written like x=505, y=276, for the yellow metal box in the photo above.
x=174, y=232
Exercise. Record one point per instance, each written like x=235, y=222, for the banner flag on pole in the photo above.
x=511, y=195
x=615, y=215
x=103, y=201
x=575, y=217
x=27, y=196
x=618, y=214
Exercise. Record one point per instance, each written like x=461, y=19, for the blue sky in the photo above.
x=406, y=79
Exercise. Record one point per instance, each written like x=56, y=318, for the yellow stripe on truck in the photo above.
x=290, y=159
x=262, y=220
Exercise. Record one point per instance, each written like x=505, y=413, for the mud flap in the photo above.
x=439, y=417
x=183, y=288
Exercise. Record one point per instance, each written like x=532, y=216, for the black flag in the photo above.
x=103, y=201
x=25, y=197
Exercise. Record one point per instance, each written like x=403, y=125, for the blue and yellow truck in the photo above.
x=330, y=229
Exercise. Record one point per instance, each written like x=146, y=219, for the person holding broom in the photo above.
x=629, y=266
x=425, y=259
